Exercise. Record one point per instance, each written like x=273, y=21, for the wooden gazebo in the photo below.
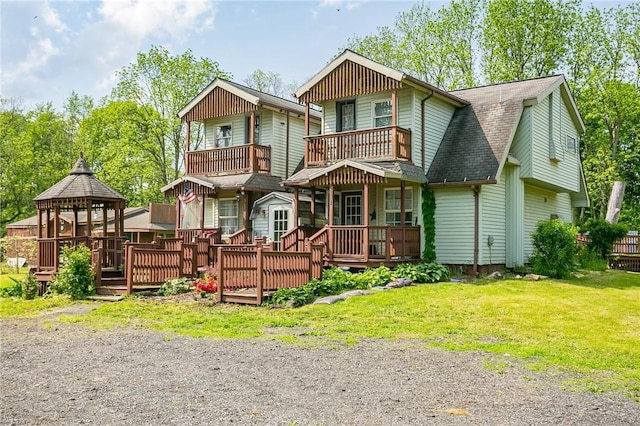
x=79, y=191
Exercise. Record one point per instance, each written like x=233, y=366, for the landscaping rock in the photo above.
x=535, y=277
x=329, y=300
x=495, y=276
x=356, y=293
x=399, y=282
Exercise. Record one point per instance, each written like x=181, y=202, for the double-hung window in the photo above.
x=228, y=216
x=223, y=136
x=392, y=206
x=571, y=145
x=382, y=113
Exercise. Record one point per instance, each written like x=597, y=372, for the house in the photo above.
x=516, y=153
x=380, y=128
x=237, y=162
x=498, y=158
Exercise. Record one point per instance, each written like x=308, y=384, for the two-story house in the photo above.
x=252, y=141
x=499, y=159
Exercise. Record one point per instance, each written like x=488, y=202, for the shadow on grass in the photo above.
x=621, y=280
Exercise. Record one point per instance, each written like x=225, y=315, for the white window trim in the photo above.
x=409, y=209
x=373, y=111
x=215, y=135
x=221, y=217
x=573, y=148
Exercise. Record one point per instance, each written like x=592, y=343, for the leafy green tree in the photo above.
x=166, y=83
x=271, y=82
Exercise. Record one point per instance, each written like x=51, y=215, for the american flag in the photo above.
x=188, y=196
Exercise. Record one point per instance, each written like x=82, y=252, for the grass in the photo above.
x=589, y=325
x=6, y=281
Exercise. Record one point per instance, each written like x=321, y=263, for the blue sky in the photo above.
x=49, y=48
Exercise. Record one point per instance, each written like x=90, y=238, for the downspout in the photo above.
x=476, y=226
x=422, y=129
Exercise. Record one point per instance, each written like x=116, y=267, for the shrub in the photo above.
x=555, y=248
x=29, y=287
x=602, y=235
x=75, y=277
x=176, y=286
x=12, y=290
x=422, y=272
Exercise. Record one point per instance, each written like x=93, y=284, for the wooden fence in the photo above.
x=256, y=270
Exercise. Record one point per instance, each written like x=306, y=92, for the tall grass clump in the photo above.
x=555, y=248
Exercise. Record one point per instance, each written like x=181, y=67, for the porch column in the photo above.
x=330, y=205
x=394, y=123
x=245, y=210
x=187, y=146
x=202, y=212
x=49, y=231
x=306, y=119
x=296, y=201
x=175, y=232
x=105, y=224
x=56, y=223
x=76, y=224
x=330, y=239
x=39, y=223
x=365, y=211
x=313, y=206
x=252, y=136
x=402, y=206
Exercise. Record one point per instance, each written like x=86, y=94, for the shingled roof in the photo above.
x=80, y=183
x=477, y=141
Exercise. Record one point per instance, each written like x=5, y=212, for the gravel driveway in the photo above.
x=66, y=374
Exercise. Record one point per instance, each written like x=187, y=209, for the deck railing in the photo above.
x=49, y=250
x=248, y=158
x=390, y=142
x=188, y=235
x=294, y=239
x=263, y=270
x=112, y=249
x=242, y=236
x=369, y=243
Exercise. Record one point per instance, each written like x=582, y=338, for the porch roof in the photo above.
x=244, y=181
x=386, y=169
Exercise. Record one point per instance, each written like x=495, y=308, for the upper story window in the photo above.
x=346, y=116
x=223, y=135
x=382, y=113
x=392, y=206
x=571, y=145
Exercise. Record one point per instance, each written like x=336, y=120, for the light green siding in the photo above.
x=551, y=162
x=454, y=225
x=522, y=146
x=437, y=115
x=540, y=204
x=237, y=130
x=377, y=203
x=514, y=203
x=492, y=222
x=278, y=122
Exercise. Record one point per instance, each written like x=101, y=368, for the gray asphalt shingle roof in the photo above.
x=477, y=140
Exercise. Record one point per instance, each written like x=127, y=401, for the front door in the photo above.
x=279, y=223
x=353, y=208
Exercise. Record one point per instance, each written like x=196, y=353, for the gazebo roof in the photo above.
x=80, y=184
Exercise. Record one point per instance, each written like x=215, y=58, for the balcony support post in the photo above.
x=252, y=141
x=296, y=201
x=365, y=211
x=402, y=206
x=313, y=206
x=187, y=144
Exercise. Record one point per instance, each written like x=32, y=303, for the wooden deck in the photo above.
x=248, y=158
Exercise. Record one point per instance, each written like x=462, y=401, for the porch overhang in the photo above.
x=213, y=184
x=357, y=172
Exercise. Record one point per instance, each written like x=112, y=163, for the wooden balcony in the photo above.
x=248, y=158
x=391, y=142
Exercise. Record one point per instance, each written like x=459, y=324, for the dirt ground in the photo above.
x=59, y=374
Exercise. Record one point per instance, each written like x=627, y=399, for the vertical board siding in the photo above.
x=537, y=209
x=521, y=148
x=493, y=222
x=454, y=225
x=564, y=172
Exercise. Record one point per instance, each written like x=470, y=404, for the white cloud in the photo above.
x=142, y=18
x=51, y=18
x=39, y=55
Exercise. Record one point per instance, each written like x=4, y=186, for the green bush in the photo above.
x=29, y=287
x=12, y=290
x=75, y=277
x=176, y=286
x=602, y=235
x=555, y=248
x=335, y=280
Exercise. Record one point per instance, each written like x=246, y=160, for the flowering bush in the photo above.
x=206, y=283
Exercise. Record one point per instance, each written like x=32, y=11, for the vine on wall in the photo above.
x=429, y=221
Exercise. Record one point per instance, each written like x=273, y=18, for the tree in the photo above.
x=166, y=83
x=271, y=82
x=120, y=145
x=526, y=38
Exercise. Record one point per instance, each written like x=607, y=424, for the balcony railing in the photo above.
x=248, y=158
x=389, y=142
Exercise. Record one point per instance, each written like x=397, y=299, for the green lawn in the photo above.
x=589, y=325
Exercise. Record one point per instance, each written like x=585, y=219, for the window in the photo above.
x=382, y=113
x=392, y=206
x=280, y=225
x=353, y=209
x=571, y=145
x=223, y=136
x=346, y=116
x=228, y=216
